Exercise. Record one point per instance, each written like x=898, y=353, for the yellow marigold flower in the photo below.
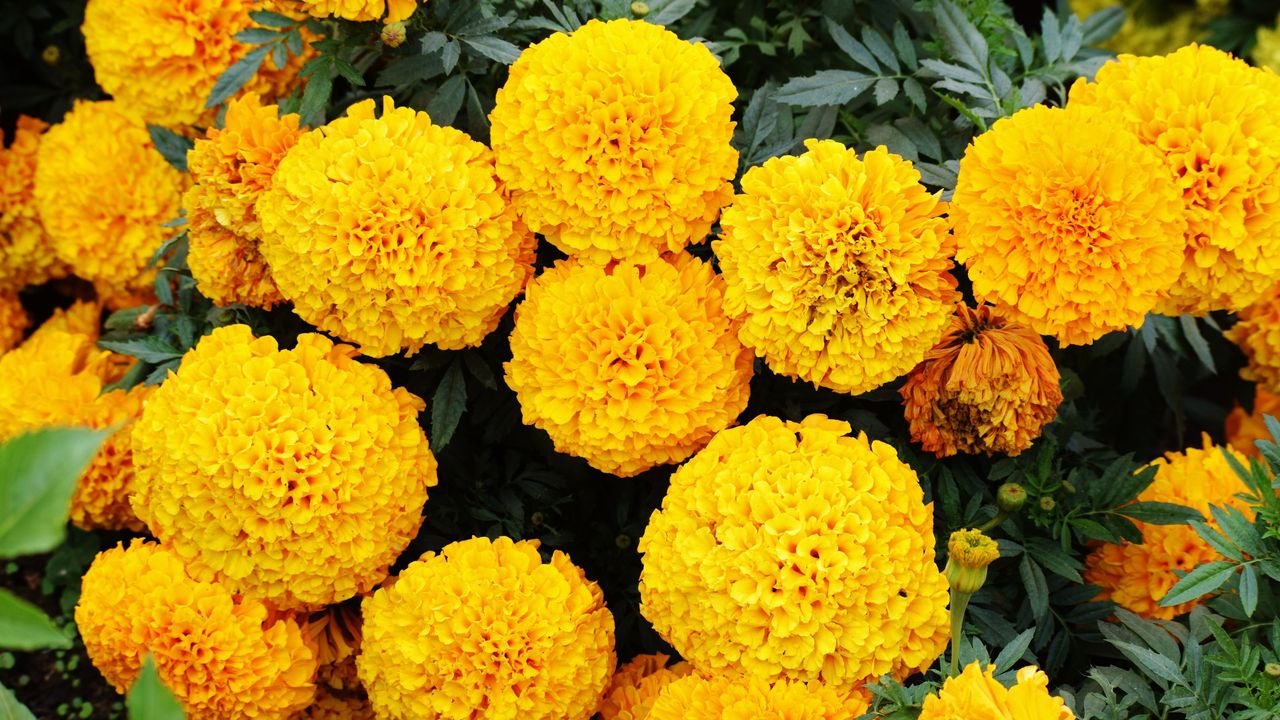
x=103, y=192
x=728, y=696
x=83, y=317
x=228, y=268
x=1212, y=118
x=102, y=496
x=838, y=266
x=615, y=140
x=1066, y=222
x=13, y=321
x=969, y=552
x=628, y=366
x=1266, y=51
x=989, y=386
x=1257, y=334
x=394, y=233
x=792, y=550
x=334, y=637
x=1243, y=429
x=487, y=629
x=25, y=255
x=976, y=695
x=223, y=656
x=1136, y=577
x=636, y=685
x=388, y=11
x=293, y=476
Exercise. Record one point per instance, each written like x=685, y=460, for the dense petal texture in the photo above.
x=393, y=233
x=1137, y=577
x=628, y=366
x=13, y=321
x=976, y=695
x=26, y=257
x=792, y=550
x=989, y=386
x=359, y=10
x=486, y=630
x=733, y=696
x=838, y=266
x=1257, y=334
x=1067, y=222
x=1214, y=121
x=334, y=636
x=614, y=140
x=1243, y=430
x=293, y=476
x=224, y=657
x=636, y=685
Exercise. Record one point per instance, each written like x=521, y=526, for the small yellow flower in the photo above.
x=393, y=34
x=25, y=257
x=976, y=695
x=969, y=552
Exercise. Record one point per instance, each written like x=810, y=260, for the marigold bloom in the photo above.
x=1257, y=334
x=969, y=552
x=388, y=11
x=487, y=629
x=1243, y=429
x=628, y=366
x=989, y=386
x=1067, y=222
x=394, y=233
x=83, y=317
x=1212, y=118
x=636, y=685
x=976, y=695
x=13, y=321
x=334, y=637
x=25, y=258
x=1136, y=577
x=728, y=696
x=837, y=265
x=792, y=550
x=615, y=140
x=293, y=476
x=223, y=656
x=103, y=192
x=228, y=268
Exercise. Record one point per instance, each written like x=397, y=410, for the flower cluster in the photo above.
x=486, y=629
x=636, y=685
x=24, y=246
x=791, y=550
x=392, y=233
x=1258, y=336
x=725, y=696
x=628, y=366
x=223, y=656
x=614, y=140
x=293, y=476
x=975, y=694
x=837, y=265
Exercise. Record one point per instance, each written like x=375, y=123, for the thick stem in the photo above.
x=994, y=522
x=959, y=603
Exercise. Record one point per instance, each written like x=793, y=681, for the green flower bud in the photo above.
x=1011, y=497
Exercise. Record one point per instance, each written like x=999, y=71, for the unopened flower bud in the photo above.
x=1272, y=670
x=393, y=34
x=622, y=541
x=639, y=9
x=1047, y=504
x=1011, y=497
x=51, y=55
x=969, y=554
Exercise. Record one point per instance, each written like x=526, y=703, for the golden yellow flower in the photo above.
x=1211, y=117
x=615, y=140
x=293, y=476
x=223, y=656
x=976, y=695
x=487, y=629
x=733, y=695
x=628, y=366
x=989, y=386
x=969, y=552
x=1137, y=577
x=25, y=254
x=103, y=192
x=394, y=233
x=1266, y=51
x=13, y=321
x=636, y=685
x=838, y=266
x=83, y=317
x=1066, y=222
x=792, y=550
x=1243, y=429
x=228, y=268
x=102, y=496
x=1257, y=334
x=334, y=636
x=388, y=11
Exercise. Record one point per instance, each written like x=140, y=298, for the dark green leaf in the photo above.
x=257, y=36
x=852, y=47
x=24, y=627
x=876, y=43
x=271, y=19
x=447, y=406
x=1154, y=665
x=1238, y=529
x=1217, y=540
x=449, y=55
x=1012, y=652
x=315, y=97
x=479, y=369
x=1100, y=26
x=348, y=71
x=666, y=12
x=1160, y=513
x=1037, y=588
x=444, y=105
x=494, y=48
x=1249, y=590
x=1191, y=331
x=433, y=41
x=826, y=87
x=38, y=474
x=959, y=36
x=147, y=349
x=1199, y=582
x=149, y=699
x=237, y=75
x=171, y=145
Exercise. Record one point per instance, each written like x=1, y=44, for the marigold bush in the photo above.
x=722, y=697
x=975, y=694
x=24, y=244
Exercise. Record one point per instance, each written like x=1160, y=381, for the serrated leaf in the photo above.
x=24, y=626
x=480, y=370
x=1160, y=513
x=149, y=699
x=38, y=475
x=1199, y=582
x=433, y=41
x=1053, y=558
x=447, y=406
x=905, y=46
x=886, y=90
x=316, y=97
x=1238, y=529
x=915, y=92
x=147, y=349
x=1101, y=25
x=235, y=77
x=852, y=47
x=668, y=12
x=879, y=46
x=1217, y=541
x=1013, y=651
x=10, y=708
x=1036, y=585
x=348, y=71
x=449, y=56
x=894, y=139
x=1191, y=331
x=1156, y=666
x=256, y=36
x=494, y=48
x=960, y=37
x=172, y=146
x=272, y=19
x=1249, y=590
x=445, y=103
x=1051, y=36
x=826, y=87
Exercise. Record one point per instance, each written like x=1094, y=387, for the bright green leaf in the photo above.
x=24, y=627
x=38, y=474
x=149, y=699
x=1198, y=583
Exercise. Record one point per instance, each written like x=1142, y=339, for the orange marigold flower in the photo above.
x=615, y=140
x=83, y=317
x=25, y=258
x=486, y=628
x=791, y=550
x=989, y=386
x=1258, y=336
x=293, y=476
x=223, y=656
x=1212, y=119
x=733, y=695
x=628, y=366
x=1243, y=429
x=975, y=694
x=102, y=496
x=228, y=268
x=1137, y=577
x=1067, y=222
x=388, y=11
x=636, y=685
x=13, y=321
x=393, y=233
x=103, y=192
x=838, y=266
x=334, y=636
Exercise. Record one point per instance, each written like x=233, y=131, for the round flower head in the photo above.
x=13, y=321
x=732, y=696
x=1258, y=336
x=989, y=386
x=1137, y=577
x=487, y=630
x=1212, y=119
x=224, y=657
x=838, y=266
x=975, y=694
x=103, y=192
x=228, y=268
x=293, y=476
x=1067, y=222
x=636, y=685
x=615, y=140
x=1243, y=430
x=389, y=11
x=628, y=366
x=792, y=550
x=394, y=233
x=969, y=552
x=25, y=258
